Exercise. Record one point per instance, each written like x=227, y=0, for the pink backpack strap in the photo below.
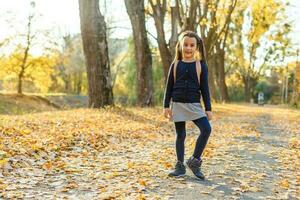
x=174, y=70
x=198, y=69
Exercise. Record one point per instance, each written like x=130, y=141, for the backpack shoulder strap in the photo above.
x=198, y=69
x=174, y=70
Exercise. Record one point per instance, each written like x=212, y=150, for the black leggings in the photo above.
x=205, y=130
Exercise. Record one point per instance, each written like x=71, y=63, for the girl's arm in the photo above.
x=204, y=86
x=169, y=87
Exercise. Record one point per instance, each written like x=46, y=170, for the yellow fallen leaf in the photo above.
x=3, y=154
x=47, y=166
x=168, y=165
x=3, y=186
x=284, y=184
x=245, y=187
x=142, y=197
x=142, y=182
x=254, y=189
x=130, y=165
x=116, y=174
x=71, y=185
x=25, y=131
x=3, y=161
x=294, y=143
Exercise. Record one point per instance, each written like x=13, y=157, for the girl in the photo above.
x=187, y=82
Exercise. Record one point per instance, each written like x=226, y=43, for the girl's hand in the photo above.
x=209, y=115
x=167, y=113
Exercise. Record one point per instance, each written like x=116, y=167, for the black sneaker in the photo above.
x=179, y=170
x=194, y=164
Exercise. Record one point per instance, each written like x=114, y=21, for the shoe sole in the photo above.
x=177, y=176
x=198, y=178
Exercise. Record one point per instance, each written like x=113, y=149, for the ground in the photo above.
x=126, y=153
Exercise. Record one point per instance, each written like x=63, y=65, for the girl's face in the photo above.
x=189, y=47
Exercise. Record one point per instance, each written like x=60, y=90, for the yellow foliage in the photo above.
x=36, y=69
x=234, y=80
x=264, y=14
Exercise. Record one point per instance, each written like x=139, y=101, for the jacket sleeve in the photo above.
x=169, y=87
x=204, y=88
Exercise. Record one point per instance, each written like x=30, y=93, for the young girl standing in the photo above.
x=187, y=83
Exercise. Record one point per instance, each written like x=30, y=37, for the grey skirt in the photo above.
x=186, y=111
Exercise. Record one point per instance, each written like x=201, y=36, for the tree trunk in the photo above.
x=296, y=84
x=215, y=69
x=191, y=18
x=174, y=33
x=212, y=35
x=135, y=10
x=221, y=76
x=79, y=83
x=23, y=65
x=93, y=32
x=211, y=79
x=165, y=54
x=20, y=81
x=68, y=87
x=247, y=89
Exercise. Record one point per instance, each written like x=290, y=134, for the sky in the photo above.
x=62, y=17
x=293, y=12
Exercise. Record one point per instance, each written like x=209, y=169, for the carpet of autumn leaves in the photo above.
x=126, y=153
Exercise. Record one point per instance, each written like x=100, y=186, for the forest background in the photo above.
x=251, y=47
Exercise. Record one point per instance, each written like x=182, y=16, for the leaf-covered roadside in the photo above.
x=126, y=153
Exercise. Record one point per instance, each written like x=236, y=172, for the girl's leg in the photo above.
x=205, y=130
x=180, y=138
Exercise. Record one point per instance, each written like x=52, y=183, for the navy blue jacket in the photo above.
x=186, y=88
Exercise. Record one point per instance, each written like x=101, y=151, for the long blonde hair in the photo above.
x=200, y=49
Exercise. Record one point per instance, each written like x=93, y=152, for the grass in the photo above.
x=13, y=104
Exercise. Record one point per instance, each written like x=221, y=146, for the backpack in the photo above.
x=198, y=69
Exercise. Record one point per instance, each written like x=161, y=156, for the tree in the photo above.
x=215, y=18
x=262, y=15
x=158, y=13
x=73, y=66
x=4, y=42
x=191, y=15
x=23, y=65
x=296, y=83
x=20, y=64
x=36, y=73
x=135, y=10
x=93, y=31
x=182, y=18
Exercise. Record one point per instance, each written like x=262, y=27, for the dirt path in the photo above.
x=248, y=166
x=252, y=154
